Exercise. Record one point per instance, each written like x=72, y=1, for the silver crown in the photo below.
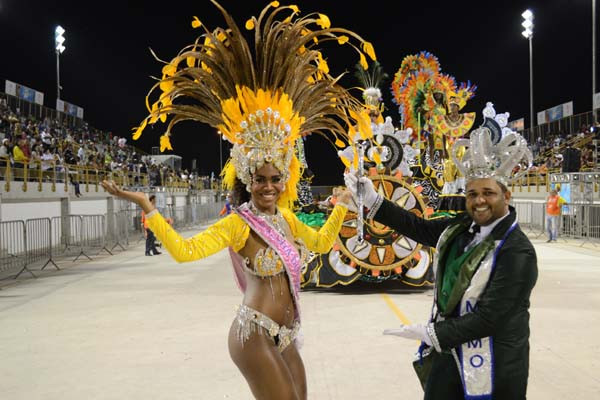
x=483, y=158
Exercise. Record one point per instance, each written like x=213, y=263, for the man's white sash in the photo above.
x=475, y=359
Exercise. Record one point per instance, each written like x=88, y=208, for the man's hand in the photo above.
x=370, y=195
x=417, y=332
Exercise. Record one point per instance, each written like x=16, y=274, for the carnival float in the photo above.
x=410, y=165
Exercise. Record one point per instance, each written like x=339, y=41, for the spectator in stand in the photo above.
x=68, y=156
x=47, y=159
x=25, y=146
x=46, y=139
x=554, y=204
x=81, y=154
x=571, y=159
x=36, y=156
x=18, y=155
x=4, y=152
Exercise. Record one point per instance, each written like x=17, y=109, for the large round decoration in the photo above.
x=390, y=150
x=384, y=251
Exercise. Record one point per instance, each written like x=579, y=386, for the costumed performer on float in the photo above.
x=262, y=104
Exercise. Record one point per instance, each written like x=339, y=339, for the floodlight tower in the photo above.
x=59, y=46
x=528, y=34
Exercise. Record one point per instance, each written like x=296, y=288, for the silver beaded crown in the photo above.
x=489, y=156
x=262, y=140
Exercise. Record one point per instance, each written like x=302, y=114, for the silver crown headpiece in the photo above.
x=489, y=155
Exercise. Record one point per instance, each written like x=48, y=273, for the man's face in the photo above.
x=485, y=201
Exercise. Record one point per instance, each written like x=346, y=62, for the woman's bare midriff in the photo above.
x=269, y=295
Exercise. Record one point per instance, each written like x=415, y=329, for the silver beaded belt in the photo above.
x=249, y=319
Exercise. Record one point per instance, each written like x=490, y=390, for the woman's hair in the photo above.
x=240, y=195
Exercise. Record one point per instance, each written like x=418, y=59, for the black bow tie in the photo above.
x=466, y=237
x=475, y=229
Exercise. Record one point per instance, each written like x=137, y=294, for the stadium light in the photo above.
x=59, y=46
x=528, y=34
x=594, y=59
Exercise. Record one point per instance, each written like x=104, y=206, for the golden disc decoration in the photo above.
x=384, y=251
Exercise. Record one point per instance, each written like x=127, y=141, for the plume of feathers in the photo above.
x=283, y=60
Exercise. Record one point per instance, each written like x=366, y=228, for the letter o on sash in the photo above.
x=476, y=361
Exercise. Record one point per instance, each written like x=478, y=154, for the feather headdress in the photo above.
x=370, y=81
x=261, y=98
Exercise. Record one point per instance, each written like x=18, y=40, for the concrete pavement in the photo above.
x=135, y=327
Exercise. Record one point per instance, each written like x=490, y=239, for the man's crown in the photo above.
x=488, y=156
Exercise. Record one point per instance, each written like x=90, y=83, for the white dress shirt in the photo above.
x=483, y=232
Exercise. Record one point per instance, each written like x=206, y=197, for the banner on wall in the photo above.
x=555, y=113
x=517, y=125
x=68, y=108
x=23, y=92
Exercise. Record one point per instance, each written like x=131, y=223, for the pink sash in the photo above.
x=286, y=251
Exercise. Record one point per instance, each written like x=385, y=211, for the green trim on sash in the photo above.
x=451, y=271
x=467, y=270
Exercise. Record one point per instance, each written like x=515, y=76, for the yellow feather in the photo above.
x=290, y=194
x=228, y=174
x=196, y=23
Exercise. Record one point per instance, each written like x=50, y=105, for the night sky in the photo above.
x=106, y=67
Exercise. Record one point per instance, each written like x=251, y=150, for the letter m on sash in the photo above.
x=474, y=344
x=470, y=307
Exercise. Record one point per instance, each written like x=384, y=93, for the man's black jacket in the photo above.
x=501, y=312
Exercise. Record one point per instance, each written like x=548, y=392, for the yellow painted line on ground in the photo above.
x=395, y=309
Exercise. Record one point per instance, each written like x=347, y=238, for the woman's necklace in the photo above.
x=276, y=220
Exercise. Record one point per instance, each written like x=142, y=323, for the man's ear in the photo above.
x=507, y=196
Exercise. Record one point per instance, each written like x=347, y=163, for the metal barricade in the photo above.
x=59, y=235
x=93, y=234
x=593, y=222
x=581, y=221
x=74, y=235
x=13, y=247
x=577, y=221
x=120, y=234
x=571, y=221
x=39, y=242
x=531, y=216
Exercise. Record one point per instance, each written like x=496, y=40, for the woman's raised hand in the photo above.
x=139, y=198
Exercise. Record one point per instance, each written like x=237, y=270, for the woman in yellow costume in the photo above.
x=262, y=99
x=455, y=125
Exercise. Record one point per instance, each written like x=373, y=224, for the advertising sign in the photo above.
x=69, y=108
x=517, y=125
x=555, y=113
x=23, y=92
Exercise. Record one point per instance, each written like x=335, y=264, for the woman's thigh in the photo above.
x=264, y=368
x=292, y=358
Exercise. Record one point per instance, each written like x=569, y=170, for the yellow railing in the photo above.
x=38, y=172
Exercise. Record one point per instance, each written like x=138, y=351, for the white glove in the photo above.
x=370, y=195
x=417, y=332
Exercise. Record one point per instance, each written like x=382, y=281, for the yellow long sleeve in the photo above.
x=321, y=241
x=230, y=231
